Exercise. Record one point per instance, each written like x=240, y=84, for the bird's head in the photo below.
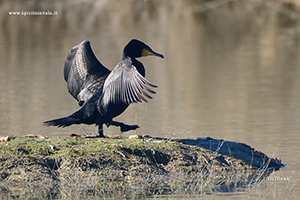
x=136, y=49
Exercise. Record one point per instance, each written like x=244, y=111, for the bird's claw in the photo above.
x=125, y=128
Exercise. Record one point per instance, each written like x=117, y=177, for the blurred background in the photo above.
x=231, y=69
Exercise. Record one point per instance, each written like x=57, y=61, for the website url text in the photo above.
x=33, y=13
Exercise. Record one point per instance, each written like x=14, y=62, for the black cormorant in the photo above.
x=105, y=94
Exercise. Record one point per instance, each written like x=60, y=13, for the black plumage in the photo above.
x=84, y=74
x=105, y=94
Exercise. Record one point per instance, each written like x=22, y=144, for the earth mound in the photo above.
x=56, y=168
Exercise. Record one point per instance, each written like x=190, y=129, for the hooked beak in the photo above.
x=153, y=53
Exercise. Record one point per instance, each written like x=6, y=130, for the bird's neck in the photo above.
x=139, y=66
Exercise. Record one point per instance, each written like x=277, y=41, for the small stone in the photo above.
x=52, y=147
x=135, y=137
x=4, y=139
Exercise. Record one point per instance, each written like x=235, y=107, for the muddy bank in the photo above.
x=57, y=168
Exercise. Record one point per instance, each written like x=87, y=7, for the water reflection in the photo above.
x=230, y=71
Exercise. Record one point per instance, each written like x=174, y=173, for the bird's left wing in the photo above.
x=124, y=85
x=83, y=72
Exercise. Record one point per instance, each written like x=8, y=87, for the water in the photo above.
x=231, y=71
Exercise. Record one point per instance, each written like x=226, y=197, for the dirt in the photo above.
x=60, y=168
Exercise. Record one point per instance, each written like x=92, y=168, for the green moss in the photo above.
x=72, y=147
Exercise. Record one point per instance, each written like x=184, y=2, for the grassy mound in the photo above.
x=56, y=168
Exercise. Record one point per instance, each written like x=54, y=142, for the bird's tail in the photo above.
x=62, y=122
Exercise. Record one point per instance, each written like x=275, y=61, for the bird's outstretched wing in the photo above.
x=124, y=85
x=83, y=72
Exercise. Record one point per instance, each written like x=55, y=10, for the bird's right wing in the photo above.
x=81, y=65
x=124, y=85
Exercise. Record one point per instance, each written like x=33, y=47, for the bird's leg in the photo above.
x=100, y=130
x=123, y=127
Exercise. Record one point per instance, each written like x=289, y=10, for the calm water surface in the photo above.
x=230, y=72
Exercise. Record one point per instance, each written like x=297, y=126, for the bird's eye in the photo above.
x=145, y=52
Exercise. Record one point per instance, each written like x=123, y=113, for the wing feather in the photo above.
x=83, y=72
x=125, y=85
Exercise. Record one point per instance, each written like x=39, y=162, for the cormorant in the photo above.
x=105, y=94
